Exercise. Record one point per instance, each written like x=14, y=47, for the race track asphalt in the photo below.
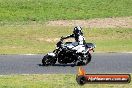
x=31, y=64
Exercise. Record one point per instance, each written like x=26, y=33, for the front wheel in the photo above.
x=48, y=60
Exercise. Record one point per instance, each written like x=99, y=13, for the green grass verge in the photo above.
x=50, y=81
x=37, y=38
x=43, y=10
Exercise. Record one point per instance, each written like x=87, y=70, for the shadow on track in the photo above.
x=59, y=65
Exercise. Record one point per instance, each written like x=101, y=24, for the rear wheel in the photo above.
x=83, y=60
x=48, y=60
x=87, y=59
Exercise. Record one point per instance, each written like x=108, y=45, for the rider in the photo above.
x=79, y=38
x=78, y=35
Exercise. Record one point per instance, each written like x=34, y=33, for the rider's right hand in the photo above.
x=62, y=38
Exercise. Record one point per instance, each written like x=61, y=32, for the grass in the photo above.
x=17, y=37
x=43, y=10
x=38, y=38
x=50, y=81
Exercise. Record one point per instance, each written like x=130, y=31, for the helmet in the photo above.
x=77, y=30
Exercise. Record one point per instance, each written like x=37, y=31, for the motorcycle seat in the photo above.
x=90, y=45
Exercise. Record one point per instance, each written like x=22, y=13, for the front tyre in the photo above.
x=48, y=60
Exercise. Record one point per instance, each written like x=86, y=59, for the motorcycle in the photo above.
x=69, y=52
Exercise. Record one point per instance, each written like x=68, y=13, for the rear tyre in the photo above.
x=48, y=60
x=87, y=59
x=79, y=63
x=84, y=61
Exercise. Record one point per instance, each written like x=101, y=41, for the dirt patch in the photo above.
x=120, y=22
x=52, y=40
x=48, y=39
